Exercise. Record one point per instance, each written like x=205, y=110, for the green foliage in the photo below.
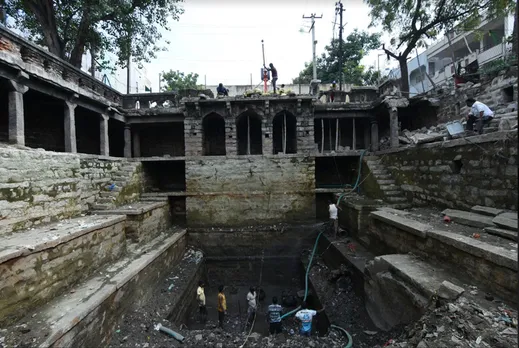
x=176, y=80
x=354, y=48
x=69, y=27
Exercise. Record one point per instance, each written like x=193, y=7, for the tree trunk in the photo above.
x=79, y=46
x=44, y=13
x=404, y=76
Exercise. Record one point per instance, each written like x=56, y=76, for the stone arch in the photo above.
x=284, y=133
x=213, y=135
x=249, y=134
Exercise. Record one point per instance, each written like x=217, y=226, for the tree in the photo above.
x=413, y=20
x=176, y=80
x=69, y=27
x=356, y=46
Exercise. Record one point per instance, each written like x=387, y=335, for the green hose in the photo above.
x=350, y=340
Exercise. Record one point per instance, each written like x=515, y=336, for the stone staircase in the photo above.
x=122, y=188
x=391, y=192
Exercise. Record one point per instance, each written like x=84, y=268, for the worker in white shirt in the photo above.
x=251, y=306
x=334, y=221
x=479, y=113
x=200, y=297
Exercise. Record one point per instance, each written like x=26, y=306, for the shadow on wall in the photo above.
x=284, y=133
x=249, y=132
x=4, y=113
x=213, y=135
x=164, y=176
x=418, y=115
x=161, y=139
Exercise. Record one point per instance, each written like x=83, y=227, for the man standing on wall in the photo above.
x=334, y=221
x=200, y=297
x=251, y=306
x=221, y=306
x=479, y=113
x=274, y=75
x=274, y=316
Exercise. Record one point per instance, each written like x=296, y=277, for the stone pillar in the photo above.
x=16, y=114
x=104, y=139
x=70, y=127
x=136, y=142
x=393, y=127
x=374, y=135
x=367, y=134
x=127, y=141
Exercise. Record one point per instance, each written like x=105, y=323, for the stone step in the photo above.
x=385, y=181
x=384, y=176
x=469, y=219
x=106, y=194
x=395, y=199
x=488, y=211
x=504, y=222
x=512, y=235
x=73, y=318
x=393, y=193
x=373, y=162
x=106, y=200
x=41, y=263
x=376, y=167
x=377, y=172
x=390, y=187
x=104, y=206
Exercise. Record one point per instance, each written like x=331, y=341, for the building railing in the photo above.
x=21, y=52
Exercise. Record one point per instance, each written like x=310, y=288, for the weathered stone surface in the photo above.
x=504, y=222
x=408, y=225
x=41, y=186
x=488, y=211
x=105, y=296
x=511, y=216
x=54, y=258
x=468, y=218
x=450, y=291
x=256, y=190
x=512, y=235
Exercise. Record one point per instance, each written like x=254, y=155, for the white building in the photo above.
x=139, y=81
x=483, y=45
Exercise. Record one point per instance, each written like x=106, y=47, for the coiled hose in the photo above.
x=350, y=340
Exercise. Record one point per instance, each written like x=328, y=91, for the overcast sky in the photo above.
x=221, y=40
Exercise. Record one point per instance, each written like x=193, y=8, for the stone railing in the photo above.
x=363, y=94
x=150, y=100
x=35, y=60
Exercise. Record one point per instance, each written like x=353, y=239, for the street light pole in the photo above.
x=313, y=17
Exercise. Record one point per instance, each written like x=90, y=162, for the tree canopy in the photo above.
x=413, y=20
x=69, y=27
x=176, y=80
x=354, y=48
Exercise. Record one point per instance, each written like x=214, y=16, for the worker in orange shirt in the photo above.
x=221, y=306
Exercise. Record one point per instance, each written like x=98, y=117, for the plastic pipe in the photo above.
x=350, y=340
x=170, y=332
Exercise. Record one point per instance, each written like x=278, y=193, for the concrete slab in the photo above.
x=408, y=225
x=469, y=219
x=450, y=291
x=51, y=235
x=394, y=211
x=512, y=235
x=488, y=211
x=505, y=223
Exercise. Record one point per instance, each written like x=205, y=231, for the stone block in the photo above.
x=506, y=223
x=450, y=291
x=512, y=235
x=408, y=225
x=488, y=211
x=468, y=218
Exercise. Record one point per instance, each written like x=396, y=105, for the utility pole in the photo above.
x=339, y=8
x=313, y=17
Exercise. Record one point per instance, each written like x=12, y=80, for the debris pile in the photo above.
x=462, y=323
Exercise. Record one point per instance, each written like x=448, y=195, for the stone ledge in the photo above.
x=137, y=208
x=33, y=241
x=408, y=225
x=63, y=314
x=493, y=254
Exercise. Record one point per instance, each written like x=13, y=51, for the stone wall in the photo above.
x=40, y=186
x=249, y=190
x=460, y=173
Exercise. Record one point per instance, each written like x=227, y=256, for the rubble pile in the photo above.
x=462, y=323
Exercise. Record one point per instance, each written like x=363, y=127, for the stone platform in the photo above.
x=42, y=263
x=88, y=314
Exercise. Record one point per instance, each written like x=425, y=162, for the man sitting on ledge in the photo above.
x=479, y=113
